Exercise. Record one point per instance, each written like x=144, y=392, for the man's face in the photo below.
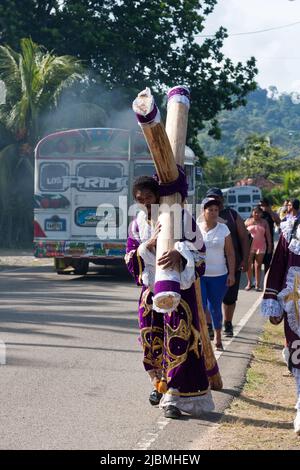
x=146, y=198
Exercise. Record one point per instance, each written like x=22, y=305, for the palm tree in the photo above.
x=218, y=172
x=34, y=80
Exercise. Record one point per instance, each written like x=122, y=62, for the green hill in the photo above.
x=267, y=112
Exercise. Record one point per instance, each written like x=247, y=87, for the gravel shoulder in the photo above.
x=261, y=417
x=21, y=259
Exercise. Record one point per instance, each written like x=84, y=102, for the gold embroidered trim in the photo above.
x=140, y=267
x=147, y=307
x=149, y=348
x=183, y=331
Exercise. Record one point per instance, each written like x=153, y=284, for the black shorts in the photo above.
x=233, y=291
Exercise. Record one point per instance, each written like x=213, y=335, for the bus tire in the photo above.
x=60, y=265
x=81, y=266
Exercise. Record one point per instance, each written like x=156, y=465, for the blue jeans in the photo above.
x=213, y=291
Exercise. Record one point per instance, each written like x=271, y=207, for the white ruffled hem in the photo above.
x=194, y=406
x=294, y=246
x=147, y=255
x=286, y=229
x=169, y=294
x=289, y=305
x=271, y=308
x=292, y=272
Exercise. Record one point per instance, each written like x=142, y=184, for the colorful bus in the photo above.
x=83, y=180
x=243, y=199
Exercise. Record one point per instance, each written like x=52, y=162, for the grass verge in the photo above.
x=262, y=416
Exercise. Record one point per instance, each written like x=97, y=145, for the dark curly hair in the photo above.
x=145, y=182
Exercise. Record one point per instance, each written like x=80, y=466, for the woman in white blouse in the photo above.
x=220, y=263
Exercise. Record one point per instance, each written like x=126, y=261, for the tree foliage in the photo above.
x=218, y=171
x=133, y=43
x=34, y=79
x=268, y=113
x=257, y=157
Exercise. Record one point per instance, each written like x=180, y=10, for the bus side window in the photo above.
x=231, y=199
x=189, y=173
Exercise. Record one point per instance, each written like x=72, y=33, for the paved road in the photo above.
x=74, y=377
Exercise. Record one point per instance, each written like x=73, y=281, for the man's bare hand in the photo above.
x=244, y=266
x=169, y=259
x=230, y=280
x=151, y=243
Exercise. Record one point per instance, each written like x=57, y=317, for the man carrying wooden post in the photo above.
x=166, y=267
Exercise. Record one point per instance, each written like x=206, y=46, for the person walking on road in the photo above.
x=220, y=263
x=259, y=231
x=273, y=219
x=292, y=211
x=284, y=209
x=173, y=356
x=241, y=246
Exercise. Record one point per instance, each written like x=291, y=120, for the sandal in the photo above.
x=211, y=332
x=249, y=287
x=219, y=347
x=258, y=289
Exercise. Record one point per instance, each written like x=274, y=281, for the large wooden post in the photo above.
x=176, y=128
x=164, y=145
x=177, y=121
x=167, y=281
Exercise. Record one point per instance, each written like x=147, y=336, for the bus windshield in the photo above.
x=85, y=143
x=83, y=181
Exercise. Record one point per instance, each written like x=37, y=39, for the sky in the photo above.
x=277, y=52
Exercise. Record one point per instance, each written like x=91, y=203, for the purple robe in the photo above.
x=171, y=341
x=283, y=289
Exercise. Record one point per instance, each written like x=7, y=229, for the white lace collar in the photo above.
x=145, y=228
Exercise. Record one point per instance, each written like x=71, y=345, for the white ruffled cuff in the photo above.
x=286, y=229
x=147, y=255
x=194, y=406
x=294, y=246
x=271, y=308
x=187, y=276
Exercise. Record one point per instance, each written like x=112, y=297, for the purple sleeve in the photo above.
x=277, y=270
x=133, y=260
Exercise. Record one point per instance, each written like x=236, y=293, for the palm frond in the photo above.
x=9, y=70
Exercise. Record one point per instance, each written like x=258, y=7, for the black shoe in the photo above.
x=155, y=397
x=211, y=332
x=228, y=329
x=172, y=412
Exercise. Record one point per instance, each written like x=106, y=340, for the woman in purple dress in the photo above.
x=171, y=341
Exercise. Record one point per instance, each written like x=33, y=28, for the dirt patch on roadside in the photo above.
x=20, y=259
x=262, y=416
